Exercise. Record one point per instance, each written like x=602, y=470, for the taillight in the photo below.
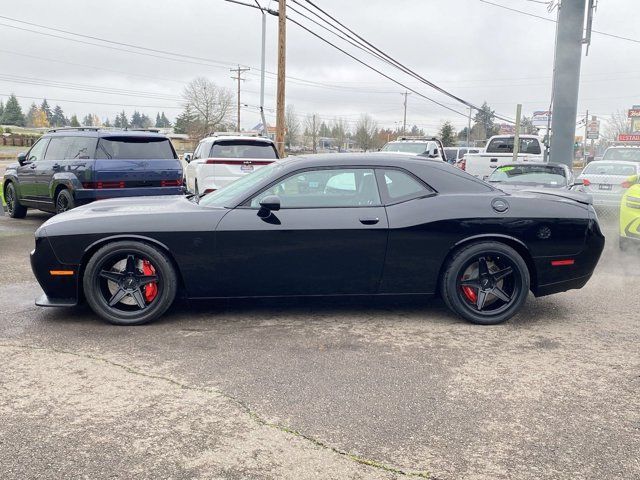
x=171, y=183
x=627, y=184
x=586, y=182
x=101, y=185
x=463, y=164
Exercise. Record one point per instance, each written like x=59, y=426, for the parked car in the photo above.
x=455, y=154
x=336, y=224
x=422, y=146
x=608, y=180
x=499, y=152
x=73, y=166
x=630, y=218
x=529, y=175
x=222, y=158
x=626, y=153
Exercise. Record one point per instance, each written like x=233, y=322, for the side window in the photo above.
x=196, y=154
x=81, y=148
x=37, y=151
x=58, y=147
x=354, y=187
x=402, y=186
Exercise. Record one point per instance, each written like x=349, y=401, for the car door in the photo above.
x=191, y=168
x=27, y=173
x=329, y=237
x=51, y=164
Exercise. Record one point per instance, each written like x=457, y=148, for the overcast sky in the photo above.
x=477, y=51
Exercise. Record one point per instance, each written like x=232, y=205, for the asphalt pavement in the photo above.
x=356, y=388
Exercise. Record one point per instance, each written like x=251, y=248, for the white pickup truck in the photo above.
x=499, y=152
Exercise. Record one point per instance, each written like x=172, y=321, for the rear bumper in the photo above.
x=59, y=290
x=85, y=195
x=560, y=278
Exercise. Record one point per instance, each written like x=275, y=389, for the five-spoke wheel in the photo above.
x=14, y=209
x=64, y=201
x=129, y=283
x=486, y=282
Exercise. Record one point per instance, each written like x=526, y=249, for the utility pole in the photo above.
x=516, y=137
x=282, y=52
x=239, y=71
x=584, y=148
x=566, y=79
x=262, y=61
x=404, y=122
x=469, y=128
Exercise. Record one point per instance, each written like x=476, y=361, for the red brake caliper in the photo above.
x=150, y=289
x=470, y=293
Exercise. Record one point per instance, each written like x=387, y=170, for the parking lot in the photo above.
x=359, y=388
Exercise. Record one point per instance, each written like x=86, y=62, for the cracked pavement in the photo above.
x=355, y=388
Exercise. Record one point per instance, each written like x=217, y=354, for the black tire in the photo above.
x=104, y=283
x=14, y=208
x=64, y=201
x=492, y=295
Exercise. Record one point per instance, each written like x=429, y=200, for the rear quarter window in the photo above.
x=135, y=148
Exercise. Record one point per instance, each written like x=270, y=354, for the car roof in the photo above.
x=101, y=133
x=617, y=162
x=519, y=164
x=373, y=159
x=218, y=138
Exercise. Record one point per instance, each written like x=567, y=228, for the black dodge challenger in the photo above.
x=345, y=224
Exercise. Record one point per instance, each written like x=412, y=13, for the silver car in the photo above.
x=607, y=181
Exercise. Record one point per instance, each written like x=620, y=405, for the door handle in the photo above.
x=369, y=220
x=55, y=166
x=33, y=165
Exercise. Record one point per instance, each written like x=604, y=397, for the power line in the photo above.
x=94, y=103
x=540, y=17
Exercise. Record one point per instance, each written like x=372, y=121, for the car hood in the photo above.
x=134, y=215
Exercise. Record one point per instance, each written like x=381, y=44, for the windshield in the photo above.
x=505, y=145
x=450, y=154
x=243, y=149
x=406, y=147
x=610, y=168
x=135, y=148
x=628, y=154
x=547, y=175
x=220, y=198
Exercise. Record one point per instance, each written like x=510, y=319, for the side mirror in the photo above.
x=22, y=158
x=270, y=203
x=187, y=157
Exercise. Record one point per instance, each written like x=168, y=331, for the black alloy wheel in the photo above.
x=14, y=208
x=64, y=201
x=486, y=283
x=129, y=283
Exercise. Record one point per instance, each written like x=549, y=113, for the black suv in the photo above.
x=72, y=166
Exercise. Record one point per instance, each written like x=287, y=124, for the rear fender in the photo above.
x=66, y=179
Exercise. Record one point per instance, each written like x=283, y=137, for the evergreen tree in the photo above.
x=87, y=121
x=324, y=130
x=185, y=121
x=158, y=120
x=1, y=109
x=32, y=115
x=136, y=120
x=57, y=118
x=447, y=134
x=74, y=121
x=485, y=126
x=121, y=120
x=165, y=121
x=145, y=121
x=46, y=109
x=12, y=114
x=106, y=123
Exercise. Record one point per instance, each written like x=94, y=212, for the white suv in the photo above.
x=427, y=147
x=222, y=158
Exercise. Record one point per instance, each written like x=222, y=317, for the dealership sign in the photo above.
x=593, y=130
x=634, y=113
x=541, y=118
x=629, y=137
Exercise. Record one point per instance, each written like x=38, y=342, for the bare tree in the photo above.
x=291, y=125
x=366, y=130
x=211, y=105
x=339, y=132
x=618, y=123
x=312, y=129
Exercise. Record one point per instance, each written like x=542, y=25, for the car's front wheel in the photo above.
x=129, y=283
x=14, y=209
x=486, y=283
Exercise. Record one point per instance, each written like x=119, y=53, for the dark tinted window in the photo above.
x=135, y=148
x=37, y=151
x=402, y=185
x=71, y=148
x=243, y=149
x=450, y=154
x=505, y=145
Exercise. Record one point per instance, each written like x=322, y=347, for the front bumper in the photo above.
x=60, y=290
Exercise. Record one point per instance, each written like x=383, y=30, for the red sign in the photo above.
x=629, y=137
x=634, y=113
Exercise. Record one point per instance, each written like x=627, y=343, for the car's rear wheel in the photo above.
x=129, y=283
x=14, y=208
x=64, y=201
x=486, y=283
